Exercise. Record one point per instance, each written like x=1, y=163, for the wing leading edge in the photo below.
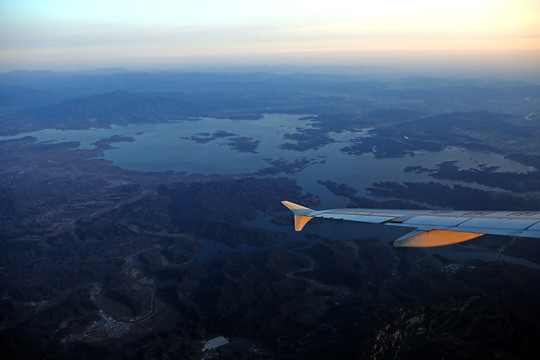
x=433, y=227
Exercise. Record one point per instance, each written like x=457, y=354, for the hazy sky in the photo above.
x=77, y=34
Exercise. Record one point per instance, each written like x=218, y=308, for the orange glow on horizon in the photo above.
x=59, y=32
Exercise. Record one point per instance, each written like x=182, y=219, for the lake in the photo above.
x=167, y=146
x=171, y=146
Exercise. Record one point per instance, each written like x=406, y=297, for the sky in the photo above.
x=498, y=35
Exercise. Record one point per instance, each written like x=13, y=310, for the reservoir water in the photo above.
x=204, y=146
x=173, y=146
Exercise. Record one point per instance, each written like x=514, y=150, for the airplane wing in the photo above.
x=433, y=227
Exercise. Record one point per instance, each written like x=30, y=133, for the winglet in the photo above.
x=300, y=218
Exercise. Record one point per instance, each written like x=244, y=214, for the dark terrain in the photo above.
x=99, y=262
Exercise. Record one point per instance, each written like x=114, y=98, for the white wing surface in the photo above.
x=433, y=227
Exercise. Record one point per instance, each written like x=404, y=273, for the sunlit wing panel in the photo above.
x=353, y=217
x=532, y=231
x=434, y=227
x=529, y=233
x=443, y=221
x=500, y=223
x=486, y=230
x=535, y=227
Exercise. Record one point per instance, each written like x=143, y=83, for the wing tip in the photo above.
x=293, y=206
